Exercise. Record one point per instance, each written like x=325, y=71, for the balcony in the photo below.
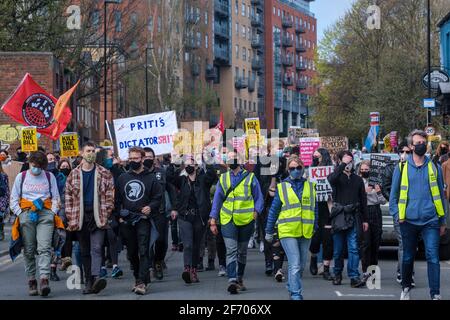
x=287, y=61
x=256, y=64
x=221, y=55
x=287, y=42
x=256, y=20
x=261, y=90
x=221, y=30
x=301, y=84
x=221, y=8
x=191, y=43
x=210, y=73
x=299, y=47
x=286, y=22
x=287, y=81
x=299, y=28
x=240, y=83
x=195, y=69
x=251, y=85
x=300, y=66
x=192, y=18
x=256, y=42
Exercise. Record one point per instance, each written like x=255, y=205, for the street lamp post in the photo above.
x=429, y=57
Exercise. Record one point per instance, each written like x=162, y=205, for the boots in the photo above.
x=45, y=289
x=313, y=266
x=53, y=274
x=210, y=266
x=33, y=287
x=337, y=280
x=326, y=273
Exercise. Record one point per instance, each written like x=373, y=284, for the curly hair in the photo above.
x=38, y=159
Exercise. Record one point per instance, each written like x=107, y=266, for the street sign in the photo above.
x=437, y=76
x=429, y=103
x=430, y=131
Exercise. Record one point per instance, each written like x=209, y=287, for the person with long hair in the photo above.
x=441, y=154
x=4, y=200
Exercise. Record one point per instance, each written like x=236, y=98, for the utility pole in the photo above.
x=429, y=57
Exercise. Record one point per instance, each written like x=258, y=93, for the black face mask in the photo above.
x=21, y=156
x=190, y=170
x=420, y=149
x=134, y=165
x=65, y=171
x=315, y=162
x=149, y=163
x=444, y=151
x=234, y=164
x=365, y=175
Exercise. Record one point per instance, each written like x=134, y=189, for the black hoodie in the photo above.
x=136, y=191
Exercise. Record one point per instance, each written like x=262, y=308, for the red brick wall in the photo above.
x=42, y=67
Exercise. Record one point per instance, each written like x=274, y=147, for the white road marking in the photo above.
x=339, y=294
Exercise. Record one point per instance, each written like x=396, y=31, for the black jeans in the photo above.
x=192, y=230
x=371, y=239
x=261, y=225
x=323, y=236
x=174, y=231
x=137, y=241
x=161, y=244
x=277, y=253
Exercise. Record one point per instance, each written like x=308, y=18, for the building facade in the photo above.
x=444, y=88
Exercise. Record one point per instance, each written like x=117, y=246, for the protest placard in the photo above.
x=334, y=144
x=378, y=164
x=307, y=148
x=252, y=130
x=295, y=133
x=319, y=176
x=68, y=143
x=29, y=140
x=151, y=130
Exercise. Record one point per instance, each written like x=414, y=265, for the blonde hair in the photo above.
x=294, y=158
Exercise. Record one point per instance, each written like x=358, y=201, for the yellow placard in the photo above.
x=29, y=139
x=68, y=143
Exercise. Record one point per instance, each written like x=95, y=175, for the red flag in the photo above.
x=31, y=105
x=221, y=124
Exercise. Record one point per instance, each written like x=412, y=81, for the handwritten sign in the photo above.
x=68, y=143
x=29, y=139
x=295, y=133
x=378, y=164
x=334, y=144
x=307, y=148
x=319, y=176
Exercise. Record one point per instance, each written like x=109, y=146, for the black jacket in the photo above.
x=202, y=186
x=160, y=175
x=136, y=191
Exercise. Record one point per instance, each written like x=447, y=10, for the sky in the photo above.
x=327, y=12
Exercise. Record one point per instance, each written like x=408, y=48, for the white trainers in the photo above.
x=222, y=271
x=437, y=297
x=279, y=276
x=405, y=294
x=251, y=243
x=261, y=246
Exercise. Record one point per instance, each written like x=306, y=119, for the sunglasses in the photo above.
x=298, y=168
x=407, y=152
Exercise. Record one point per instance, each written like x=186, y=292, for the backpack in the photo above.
x=47, y=174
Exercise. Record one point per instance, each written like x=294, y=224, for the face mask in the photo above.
x=279, y=153
x=108, y=163
x=349, y=167
x=89, y=158
x=420, y=149
x=296, y=174
x=444, y=151
x=149, y=163
x=315, y=162
x=234, y=165
x=65, y=171
x=190, y=170
x=36, y=171
x=3, y=158
x=51, y=166
x=365, y=175
x=134, y=165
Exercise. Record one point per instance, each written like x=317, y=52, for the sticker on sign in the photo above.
x=430, y=131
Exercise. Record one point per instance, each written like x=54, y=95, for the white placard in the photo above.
x=319, y=176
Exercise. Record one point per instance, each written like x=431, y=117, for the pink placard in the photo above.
x=307, y=148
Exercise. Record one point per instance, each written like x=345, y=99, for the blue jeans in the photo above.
x=351, y=237
x=296, y=250
x=430, y=236
x=236, y=241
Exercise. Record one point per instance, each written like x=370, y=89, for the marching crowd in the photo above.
x=85, y=212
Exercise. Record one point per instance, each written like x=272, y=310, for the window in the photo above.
x=243, y=9
x=237, y=29
x=206, y=17
x=274, y=11
x=134, y=19
x=245, y=105
x=313, y=27
x=249, y=55
x=150, y=24
x=236, y=72
x=254, y=106
x=309, y=44
x=243, y=73
x=186, y=56
x=249, y=37
x=206, y=41
x=244, y=32
x=248, y=11
x=279, y=12
x=240, y=103
x=235, y=103
x=236, y=7
x=236, y=47
x=296, y=20
x=199, y=39
x=118, y=21
x=159, y=24
x=244, y=54
x=309, y=26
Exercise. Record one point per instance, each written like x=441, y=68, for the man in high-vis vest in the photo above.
x=295, y=211
x=237, y=201
x=418, y=202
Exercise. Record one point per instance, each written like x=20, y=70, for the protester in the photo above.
x=441, y=154
x=89, y=201
x=295, y=210
x=34, y=200
x=322, y=237
x=138, y=199
x=237, y=201
x=192, y=208
x=372, y=238
x=417, y=201
x=349, y=210
x=4, y=201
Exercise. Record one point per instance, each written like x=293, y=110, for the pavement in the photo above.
x=212, y=287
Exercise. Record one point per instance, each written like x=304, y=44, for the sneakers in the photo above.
x=357, y=283
x=65, y=263
x=436, y=297
x=180, y=247
x=326, y=273
x=405, y=294
x=103, y=272
x=45, y=289
x=313, y=266
x=233, y=287
x=337, y=280
x=413, y=283
x=210, y=266
x=98, y=285
x=140, y=289
x=251, y=243
x=399, y=278
x=116, y=273
x=194, y=276
x=269, y=269
x=241, y=286
x=200, y=267
x=279, y=276
x=365, y=277
x=222, y=271
x=186, y=275
x=32, y=288
x=53, y=274
x=158, y=272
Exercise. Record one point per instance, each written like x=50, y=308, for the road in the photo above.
x=212, y=287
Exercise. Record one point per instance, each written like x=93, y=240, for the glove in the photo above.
x=269, y=237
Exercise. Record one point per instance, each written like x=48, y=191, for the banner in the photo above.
x=239, y=145
x=29, y=139
x=378, y=165
x=319, y=176
x=151, y=130
x=31, y=105
x=68, y=144
x=252, y=130
x=295, y=133
x=334, y=144
x=371, y=139
x=307, y=148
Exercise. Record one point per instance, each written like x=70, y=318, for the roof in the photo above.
x=444, y=20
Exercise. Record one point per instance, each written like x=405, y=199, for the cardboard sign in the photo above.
x=319, y=176
x=295, y=133
x=29, y=139
x=151, y=130
x=378, y=164
x=252, y=130
x=68, y=144
x=307, y=148
x=334, y=144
